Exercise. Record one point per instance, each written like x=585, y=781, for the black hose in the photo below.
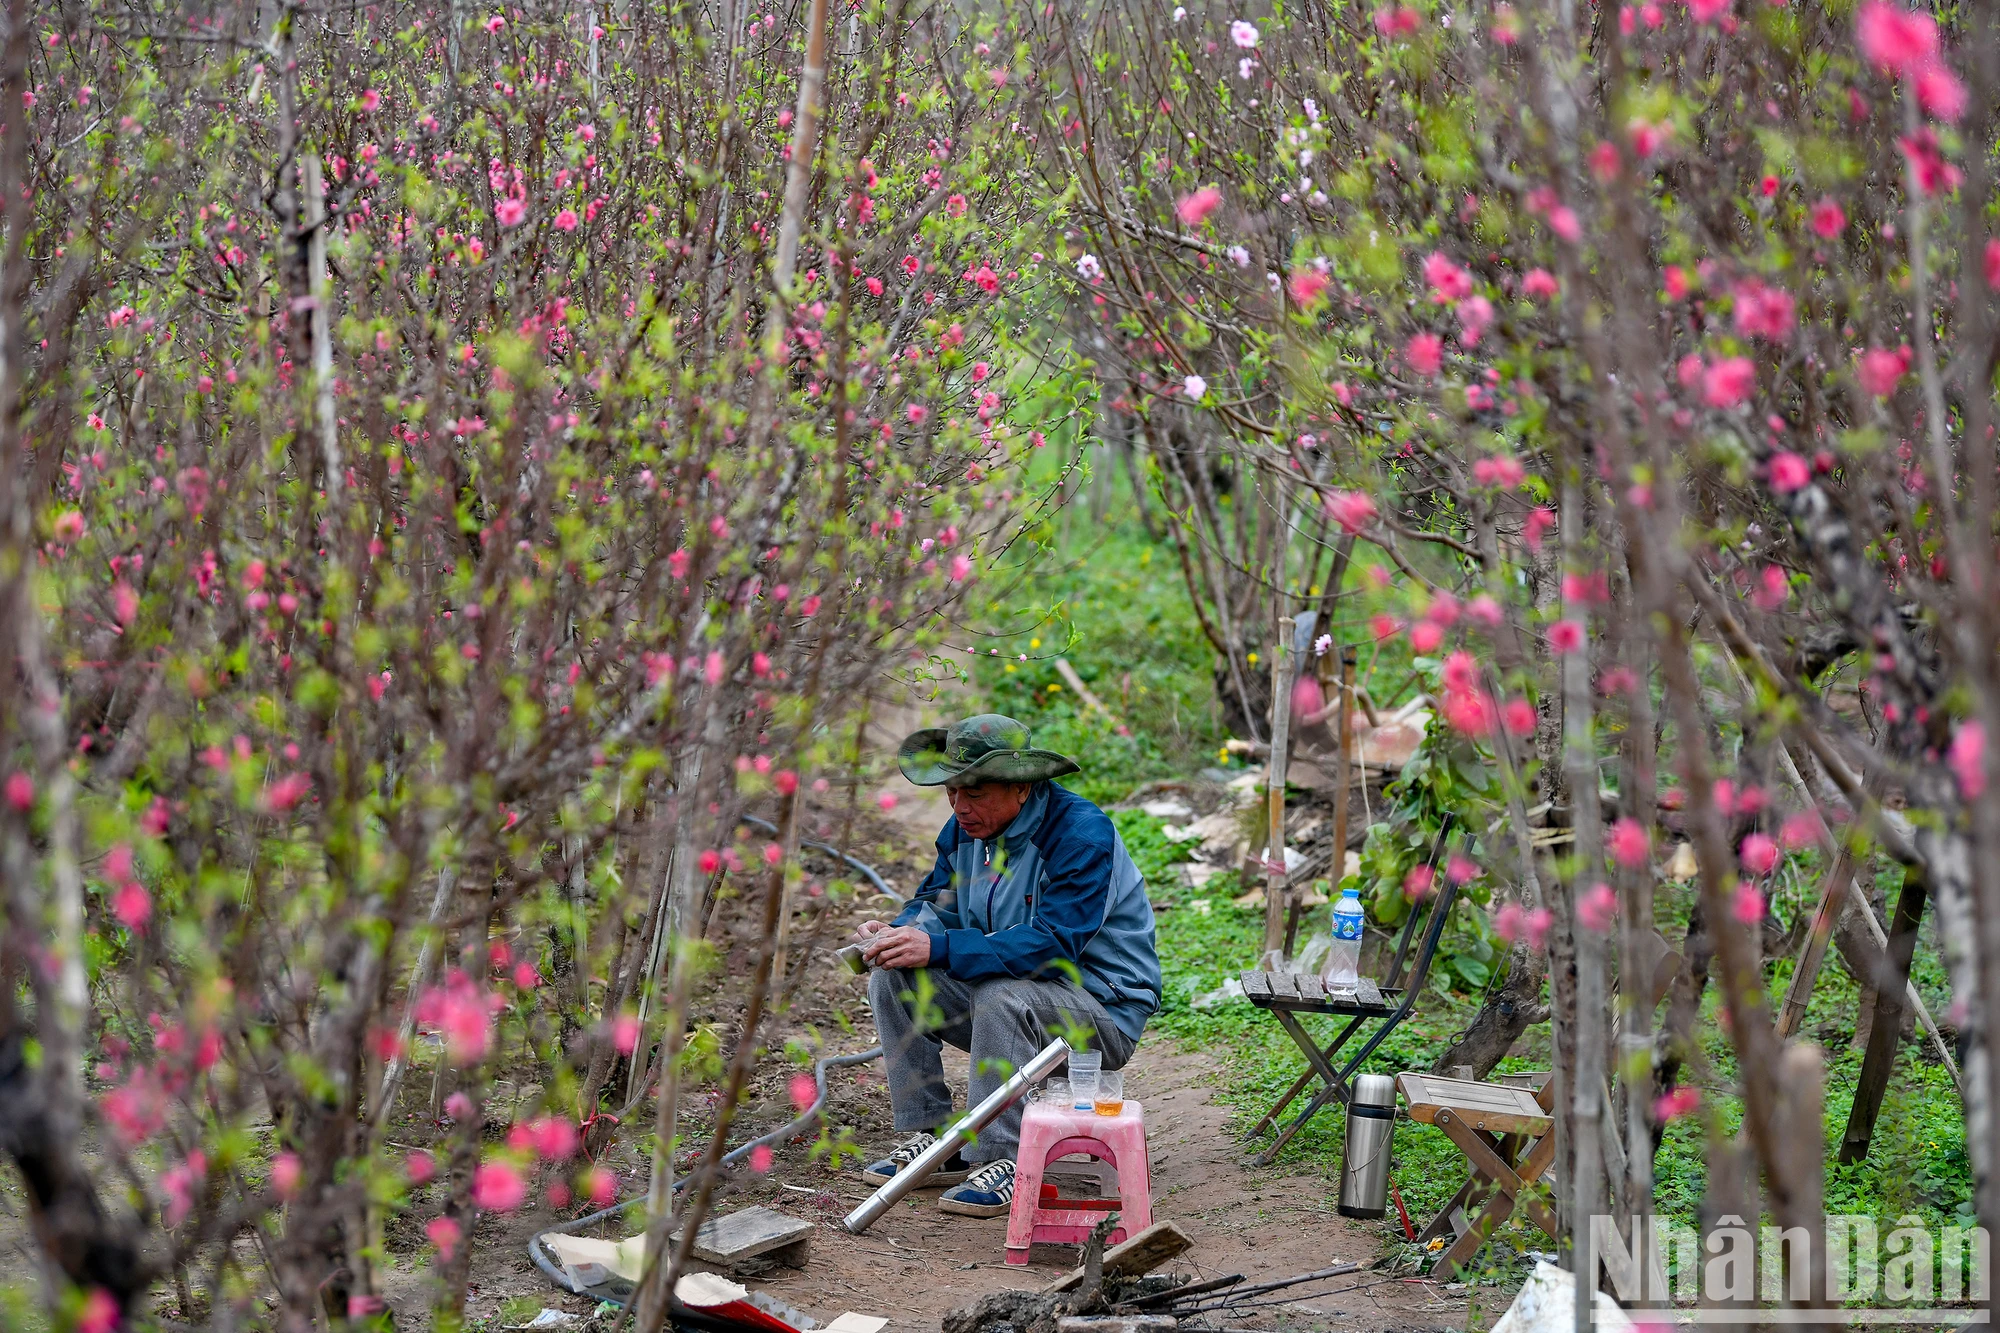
x=831, y=850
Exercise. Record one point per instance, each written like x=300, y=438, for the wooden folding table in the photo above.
x=1507, y=1136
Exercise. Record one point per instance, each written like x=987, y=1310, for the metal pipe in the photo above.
x=960, y=1134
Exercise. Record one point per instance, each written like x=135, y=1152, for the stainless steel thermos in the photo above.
x=1364, y=1170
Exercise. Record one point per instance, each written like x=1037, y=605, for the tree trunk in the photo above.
x=1509, y=1010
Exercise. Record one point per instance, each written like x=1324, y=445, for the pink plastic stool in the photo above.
x=1050, y=1133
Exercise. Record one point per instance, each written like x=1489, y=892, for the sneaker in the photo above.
x=988, y=1193
x=955, y=1168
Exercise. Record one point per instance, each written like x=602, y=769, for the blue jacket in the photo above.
x=1057, y=887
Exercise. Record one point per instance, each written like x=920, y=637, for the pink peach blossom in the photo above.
x=444, y=1233
x=1763, y=311
x=1800, y=830
x=1968, y=758
x=285, y=1173
x=1469, y=712
x=625, y=1034
x=1939, y=93
x=1353, y=510
x=1774, y=589
x=1425, y=353
x=1485, y=611
x=1630, y=845
x=132, y=905
x=555, y=1137
x=1728, y=382
x=1193, y=209
x=1880, y=368
x=1597, y=908
x=99, y=1313
x=1449, y=283
x=1759, y=854
x=1789, y=472
x=1747, y=904
x=498, y=1187
x=1893, y=39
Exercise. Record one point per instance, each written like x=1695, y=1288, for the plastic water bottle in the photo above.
x=1343, y=964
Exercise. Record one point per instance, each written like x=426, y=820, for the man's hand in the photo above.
x=897, y=947
x=867, y=930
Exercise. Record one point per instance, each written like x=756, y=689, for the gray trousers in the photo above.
x=1002, y=1023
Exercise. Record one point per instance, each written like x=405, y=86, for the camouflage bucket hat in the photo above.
x=986, y=748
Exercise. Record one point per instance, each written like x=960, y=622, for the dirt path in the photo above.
x=917, y=1263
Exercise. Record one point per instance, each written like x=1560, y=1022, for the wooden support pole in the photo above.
x=1802, y=1095
x=1832, y=900
x=1880, y=1061
x=1344, y=698
x=1275, y=893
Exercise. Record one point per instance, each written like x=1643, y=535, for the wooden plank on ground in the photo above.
x=747, y=1234
x=1133, y=1258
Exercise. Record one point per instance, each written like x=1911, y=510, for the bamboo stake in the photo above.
x=1580, y=768
x=1275, y=891
x=1832, y=901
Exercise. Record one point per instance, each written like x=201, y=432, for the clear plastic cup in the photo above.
x=1110, y=1099
x=1055, y=1092
x=1084, y=1067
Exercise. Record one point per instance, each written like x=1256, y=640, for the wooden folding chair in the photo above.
x=1285, y=995
x=1508, y=1137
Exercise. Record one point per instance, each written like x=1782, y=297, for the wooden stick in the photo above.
x=1082, y=691
x=1832, y=901
x=1274, y=852
x=1346, y=779
x=1880, y=1061
x=1804, y=793
x=1139, y=1255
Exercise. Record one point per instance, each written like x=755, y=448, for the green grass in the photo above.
x=1917, y=1162
x=1114, y=606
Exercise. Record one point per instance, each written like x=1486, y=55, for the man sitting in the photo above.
x=1034, y=923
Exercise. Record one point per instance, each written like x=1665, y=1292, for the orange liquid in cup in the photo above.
x=1104, y=1107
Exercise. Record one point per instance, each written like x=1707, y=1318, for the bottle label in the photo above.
x=1347, y=926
